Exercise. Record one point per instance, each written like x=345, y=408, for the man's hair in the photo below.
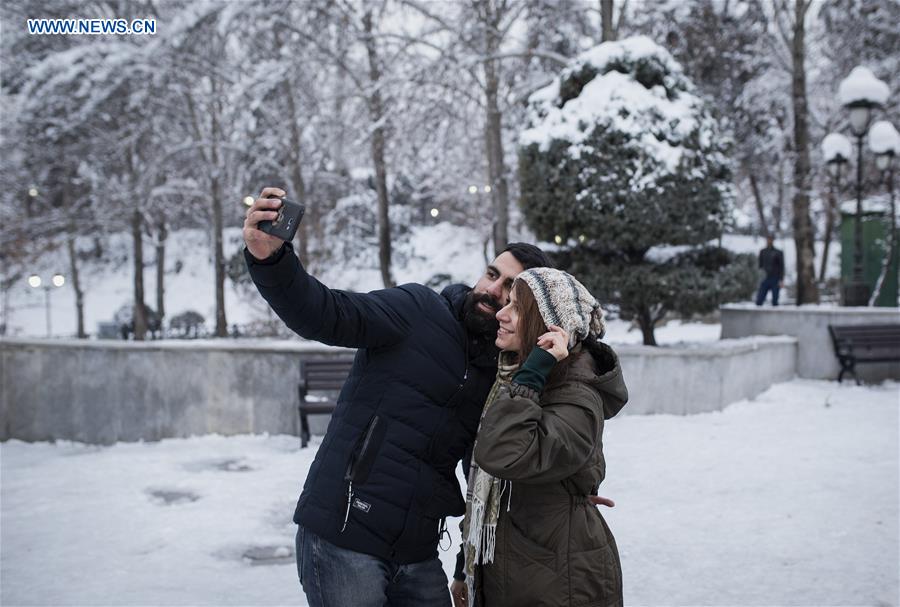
x=528, y=255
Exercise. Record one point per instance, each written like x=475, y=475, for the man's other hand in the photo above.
x=460, y=593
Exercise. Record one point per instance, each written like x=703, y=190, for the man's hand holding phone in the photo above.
x=265, y=208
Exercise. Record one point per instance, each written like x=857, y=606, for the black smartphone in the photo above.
x=285, y=225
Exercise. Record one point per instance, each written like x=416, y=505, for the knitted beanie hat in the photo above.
x=565, y=302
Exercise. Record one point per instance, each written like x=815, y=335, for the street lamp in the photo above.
x=884, y=141
x=35, y=282
x=860, y=93
x=836, y=149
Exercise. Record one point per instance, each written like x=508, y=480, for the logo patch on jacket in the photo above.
x=361, y=505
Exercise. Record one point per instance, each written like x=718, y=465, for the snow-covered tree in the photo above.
x=621, y=156
x=722, y=47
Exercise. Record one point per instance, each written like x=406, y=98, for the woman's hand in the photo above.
x=460, y=593
x=556, y=342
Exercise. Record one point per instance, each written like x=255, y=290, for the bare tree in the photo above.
x=807, y=291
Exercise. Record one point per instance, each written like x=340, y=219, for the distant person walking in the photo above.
x=771, y=261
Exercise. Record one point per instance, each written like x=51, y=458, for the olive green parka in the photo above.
x=553, y=547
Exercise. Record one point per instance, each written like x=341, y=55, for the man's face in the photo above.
x=491, y=293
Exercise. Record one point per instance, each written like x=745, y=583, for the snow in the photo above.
x=110, y=286
x=880, y=204
x=427, y=251
x=789, y=499
x=862, y=85
x=740, y=243
x=658, y=119
x=836, y=146
x=884, y=138
x=628, y=49
x=672, y=333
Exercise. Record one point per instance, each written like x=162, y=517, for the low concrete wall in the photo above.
x=107, y=391
x=102, y=392
x=809, y=324
x=705, y=376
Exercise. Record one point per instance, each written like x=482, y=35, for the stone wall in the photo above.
x=809, y=324
x=103, y=391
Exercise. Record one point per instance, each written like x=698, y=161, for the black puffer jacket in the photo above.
x=406, y=415
x=771, y=261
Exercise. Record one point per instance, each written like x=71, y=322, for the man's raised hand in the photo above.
x=260, y=244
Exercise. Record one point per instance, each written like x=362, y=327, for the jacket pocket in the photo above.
x=523, y=572
x=523, y=551
x=596, y=577
x=361, y=462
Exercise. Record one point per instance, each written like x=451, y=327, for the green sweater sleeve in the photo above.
x=535, y=369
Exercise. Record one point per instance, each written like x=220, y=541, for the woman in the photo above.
x=531, y=534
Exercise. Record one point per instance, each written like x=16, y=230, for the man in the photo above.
x=771, y=261
x=383, y=480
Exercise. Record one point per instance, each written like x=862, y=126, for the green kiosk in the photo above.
x=876, y=226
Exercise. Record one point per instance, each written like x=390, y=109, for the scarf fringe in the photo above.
x=483, y=537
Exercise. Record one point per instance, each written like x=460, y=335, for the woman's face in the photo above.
x=507, y=335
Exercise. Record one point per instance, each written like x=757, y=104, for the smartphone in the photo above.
x=285, y=225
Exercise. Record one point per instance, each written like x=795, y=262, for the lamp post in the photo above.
x=35, y=282
x=860, y=93
x=836, y=150
x=884, y=141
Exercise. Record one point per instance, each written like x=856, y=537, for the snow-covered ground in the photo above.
x=789, y=499
x=428, y=250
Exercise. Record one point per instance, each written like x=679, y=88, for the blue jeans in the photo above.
x=336, y=577
x=768, y=284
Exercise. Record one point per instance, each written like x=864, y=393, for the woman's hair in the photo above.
x=531, y=326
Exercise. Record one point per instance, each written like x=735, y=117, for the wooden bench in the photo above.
x=854, y=344
x=320, y=375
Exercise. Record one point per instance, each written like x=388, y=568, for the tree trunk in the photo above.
x=645, y=320
x=140, y=310
x=297, y=185
x=807, y=291
x=218, y=221
x=608, y=31
x=161, y=272
x=494, y=135
x=76, y=284
x=376, y=112
x=296, y=177
x=760, y=207
x=778, y=211
x=218, y=256
x=830, y=208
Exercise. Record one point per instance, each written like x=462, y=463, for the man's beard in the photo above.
x=478, y=322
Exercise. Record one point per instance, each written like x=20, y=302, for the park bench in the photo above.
x=325, y=377
x=855, y=344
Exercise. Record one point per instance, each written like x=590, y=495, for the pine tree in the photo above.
x=623, y=156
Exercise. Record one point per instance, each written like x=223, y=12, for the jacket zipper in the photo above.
x=352, y=466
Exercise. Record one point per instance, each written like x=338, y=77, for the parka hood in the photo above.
x=599, y=368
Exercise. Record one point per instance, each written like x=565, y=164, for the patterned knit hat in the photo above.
x=565, y=302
